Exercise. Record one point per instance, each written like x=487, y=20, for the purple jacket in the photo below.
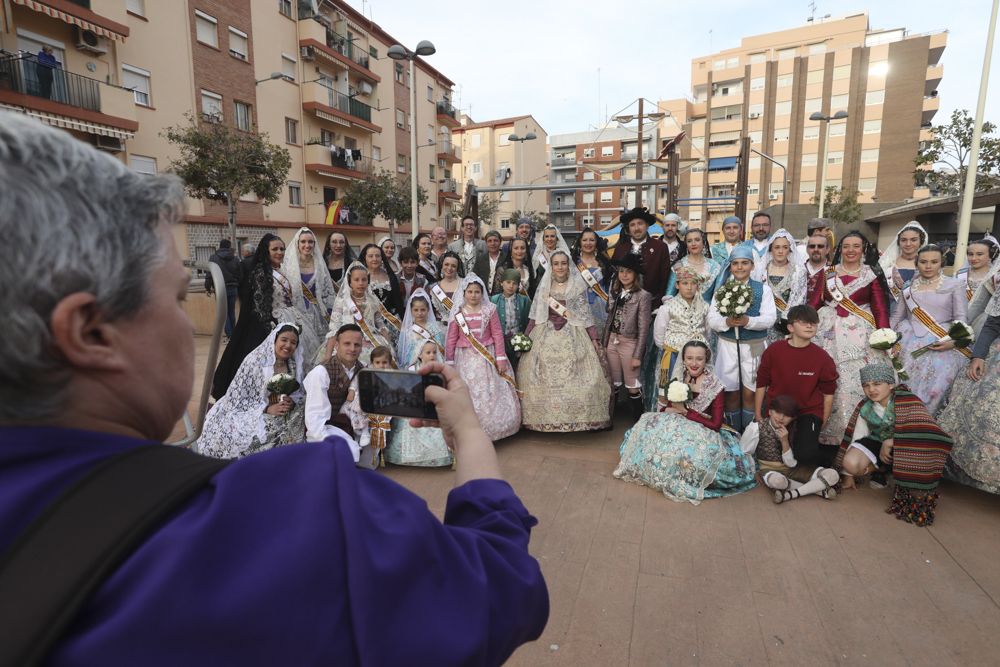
x=294, y=557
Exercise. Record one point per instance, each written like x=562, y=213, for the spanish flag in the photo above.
x=332, y=212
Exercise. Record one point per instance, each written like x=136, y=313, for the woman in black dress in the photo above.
x=337, y=255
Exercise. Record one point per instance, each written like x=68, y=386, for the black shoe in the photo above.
x=637, y=407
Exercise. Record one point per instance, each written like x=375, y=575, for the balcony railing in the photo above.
x=447, y=185
x=23, y=74
x=564, y=161
x=346, y=103
x=445, y=109
x=562, y=206
x=346, y=48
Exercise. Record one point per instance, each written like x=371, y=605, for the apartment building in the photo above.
x=489, y=157
x=601, y=155
x=314, y=76
x=767, y=89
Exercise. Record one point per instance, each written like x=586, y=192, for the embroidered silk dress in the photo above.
x=413, y=446
x=688, y=457
x=844, y=336
x=676, y=323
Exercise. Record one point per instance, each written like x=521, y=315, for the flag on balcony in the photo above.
x=333, y=213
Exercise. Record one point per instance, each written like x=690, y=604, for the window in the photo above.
x=728, y=88
x=400, y=119
x=782, y=108
x=698, y=143
x=588, y=175
x=834, y=183
x=873, y=126
x=754, y=163
x=814, y=104
x=138, y=80
x=244, y=117
x=733, y=61
x=430, y=135
x=211, y=105
x=288, y=66
x=137, y=7
x=814, y=76
x=399, y=73
x=326, y=137
x=476, y=168
x=757, y=83
x=589, y=152
x=607, y=151
x=781, y=134
x=605, y=196
x=731, y=112
x=719, y=64
x=294, y=193
x=285, y=7
x=837, y=129
x=841, y=72
x=238, y=43
x=206, y=29
x=807, y=186
x=400, y=163
x=373, y=52
x=875, y=97
x=605, y=219
x=878, y=68
x=503, y=139
x=775, y=189
x=758, y=58
x=784, y=80
x=756, y=110
x=588, y=197
x=587, y=220
x=698, y=167
x=291, y=131
x=839, y=103
x=810, y=132
x=753, y=189
x=756, y=137
x=869, y=155
x=142, y=164
x=835, y=157
x=696, y=192
x=475, y=140
x=816, y=49
x=430, y=172
x=787, y=54
x=376, y=154
x=866, y=184
x=430, y=93
x=809, y=160
x=723, y=138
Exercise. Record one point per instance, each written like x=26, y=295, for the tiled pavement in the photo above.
x=636, y=579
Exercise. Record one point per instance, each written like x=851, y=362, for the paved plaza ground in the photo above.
x=636, y=579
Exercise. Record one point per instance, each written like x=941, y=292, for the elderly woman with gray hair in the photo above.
x=102, y=528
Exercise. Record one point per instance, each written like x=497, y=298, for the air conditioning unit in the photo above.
x=87, y=40
x=772, y=197
x=754, y=115
x=306, y=53
x=365, y=88
x=110, y=144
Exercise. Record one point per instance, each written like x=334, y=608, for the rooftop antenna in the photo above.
x=598, y=95
x=812, y=11
x=710, y=40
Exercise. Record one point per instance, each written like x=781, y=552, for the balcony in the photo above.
x=931, y=105
x=323, y=161
x=336, y=107
x=335, y=48
x=449, y=152
x=934, y=75
x=447, y=114
x=564, y=162
x=448, y=189
x=557, y=206
x=75, y=102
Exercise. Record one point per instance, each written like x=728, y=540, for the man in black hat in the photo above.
x=653, y=254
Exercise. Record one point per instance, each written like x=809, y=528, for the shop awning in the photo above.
x=722, y=163
x=79, y=16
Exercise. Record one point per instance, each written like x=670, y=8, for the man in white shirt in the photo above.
x=468, y=246
x=760, y=228
x=672, y=223
x=327, y=387
x=439, y=243
x=486, y=263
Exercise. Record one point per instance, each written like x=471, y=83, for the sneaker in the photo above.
x=878, y=480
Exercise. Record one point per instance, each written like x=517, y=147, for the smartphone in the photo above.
x=397, y=393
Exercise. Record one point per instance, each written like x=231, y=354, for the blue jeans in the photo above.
x=231, y=293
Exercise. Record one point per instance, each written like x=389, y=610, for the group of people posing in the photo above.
x=788, y=389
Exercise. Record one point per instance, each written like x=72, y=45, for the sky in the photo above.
x=572, y=64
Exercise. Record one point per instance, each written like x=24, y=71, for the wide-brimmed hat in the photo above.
x=640, y=213
x=629, y=261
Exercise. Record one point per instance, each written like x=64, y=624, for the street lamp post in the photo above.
x=530, y=136
x=398, y=52
x=817, y=116
x=628, y=118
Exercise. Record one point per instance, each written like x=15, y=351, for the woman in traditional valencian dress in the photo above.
x=337, y=255
x=247, y=419
x=851, y=305
x=891, y=431
x=475, y=346
x=927, y=307
x=680, y=319
x=565, y=388
x=787, y=278
x=385, y=286
x=418, y=446
x=983, y=257
x=312, y=292
x=684, y=451
x=590, y=254
x=419, y=326
x=443, y=291
x=552, y=241
x=972, y=415
x=260, y=291
x=698, y=258
x=357, y=304
x=899, y=261
x=426, y=266
x=516, y=258
x=388, y=248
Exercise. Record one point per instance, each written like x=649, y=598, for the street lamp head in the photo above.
x=624, y=119
x=816, y=115
x=274, y=75
x=425, y=48
x=840, y=115
x=397, y=52
x=513, y=137
x=529, y=136
x=659, y=115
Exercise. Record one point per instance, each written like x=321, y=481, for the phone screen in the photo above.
x=397, y=393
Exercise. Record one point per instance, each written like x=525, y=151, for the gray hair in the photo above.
x=75, y=220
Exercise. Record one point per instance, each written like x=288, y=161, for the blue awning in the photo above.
x=721, y=163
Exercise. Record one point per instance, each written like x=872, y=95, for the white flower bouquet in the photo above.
x=520, y=342
x=734, y=298
x=883, y=339
x=959, y=332
x=678, y=392
x=281, y=384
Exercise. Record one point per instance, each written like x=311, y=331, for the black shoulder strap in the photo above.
x=54, y=566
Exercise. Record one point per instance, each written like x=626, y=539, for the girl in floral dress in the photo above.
x=357, y=304
x=786, y=277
